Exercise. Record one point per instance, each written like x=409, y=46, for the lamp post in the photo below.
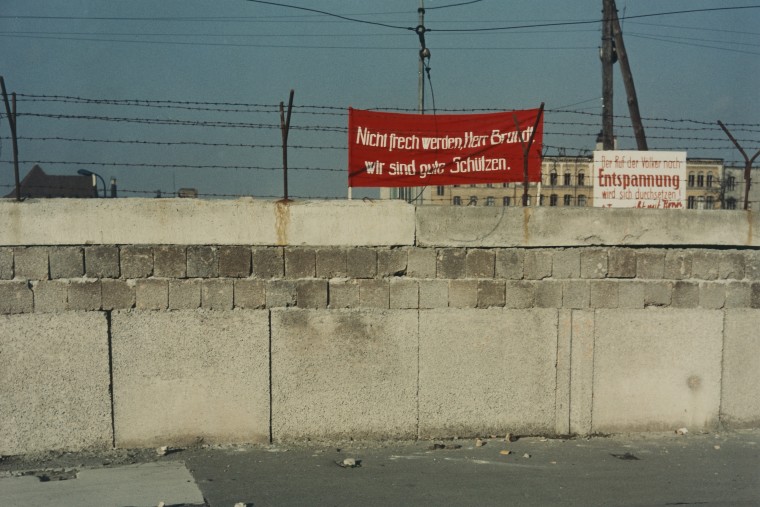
x=85, y=172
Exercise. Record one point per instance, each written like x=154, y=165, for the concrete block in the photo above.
x=300, y=263
x=581, y=371
x=16, y=297
x=677, y=265
x=250, y=294
x=480, y=263
x=421, y=262
x=754, y=295
x=185, y=294
x=117, y=294
x=548, y=294
x=732, y=265
x=450, y=263
x=151, y=294
x=281, y=293
x=509, y=263
x=685, y=295
x=361, y=262
x=66, y=262
x=234, y=261
x=185, y=376
x=520, y=294
x=657, y=370
x=658, y=293
x=343, y=294
x=268, y=262
x=434, y=294
x=594, y=263
x=332, y=263
x=101, y=261
x=374, y=293
x=54, y=382
x=712, y=295
x=30, y=263
x=499, y=378
x=136, y=261
x=650, y=264
x=537, y=264
x=85, y=295
x=217, y=294
x=404, y=294
x=706, y=265
x=751, y=264
x=170, y=261
x=391, y=262
x=50, y=296
x=566, y=263
x=575, y=294
x=740, y=404
x=621, y=263
x=491, y=293
x=631, y=294
x=311, y=293
x=604, y=293
x=6, y=264
x=202, y=261
x=344, y=374
x=463, y=293
x=738, y=295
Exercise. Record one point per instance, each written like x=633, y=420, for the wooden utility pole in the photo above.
x=747, y=164
x=630, y=89
x=607, y=56
x=526, y=145
x=285, y=129
x=11, y=113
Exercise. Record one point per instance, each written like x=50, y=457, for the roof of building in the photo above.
x=37, y=184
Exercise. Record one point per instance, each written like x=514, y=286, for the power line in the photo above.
x=345, y=18
x=452, y=5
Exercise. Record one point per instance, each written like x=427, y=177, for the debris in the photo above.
x=349, y=463
x=480, y=443
x=241, y=504
x=505, y=452
x=526, y=455
x=511, y=437
x=682, y=431
x=552, y=462
x=161, y=451
x=716, y=447
x=438, y=445
x=161, y=504
x=625, y=457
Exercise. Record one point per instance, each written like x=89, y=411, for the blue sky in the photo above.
x=221, y=68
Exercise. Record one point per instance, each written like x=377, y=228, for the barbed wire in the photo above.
x=175, y=143
x=169, y=166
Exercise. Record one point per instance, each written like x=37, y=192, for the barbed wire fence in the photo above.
x=238, y=143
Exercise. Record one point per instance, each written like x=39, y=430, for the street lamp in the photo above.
x=85, y=172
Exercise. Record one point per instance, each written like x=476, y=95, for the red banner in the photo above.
x=412, y=150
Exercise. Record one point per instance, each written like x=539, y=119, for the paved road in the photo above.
x=655, y=470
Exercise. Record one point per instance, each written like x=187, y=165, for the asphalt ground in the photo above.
x=716, y=469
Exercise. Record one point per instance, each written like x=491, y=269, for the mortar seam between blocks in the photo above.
x=109, y=337
x=271, y=385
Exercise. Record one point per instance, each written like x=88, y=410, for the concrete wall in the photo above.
x=171, y=322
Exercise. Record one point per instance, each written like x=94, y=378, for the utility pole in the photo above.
x=421, y=72
x=630, y=89
x=607, y=56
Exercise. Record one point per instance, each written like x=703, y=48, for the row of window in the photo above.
x=567, y=200
x=567, y=180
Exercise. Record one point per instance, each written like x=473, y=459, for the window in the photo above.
x=473, y=200
x=701, y=202
x=567, y=199
x=701, y=180
x=691, y=179
x=731, y=202
x=505, y=185
x=439, y=190
x=489, y=185
x=473, y=185
x=541, y=200
x=505, y=201
x=709, y=180
x=581, y=200
x=490, y=201
x=457, y=186
x=568, y=179
x=709, y=202
x=553, y=200
x=731, y=185
x=691, y=202
x=527, y=201
x=457, y=201
x=553, y=178
x=581, y=179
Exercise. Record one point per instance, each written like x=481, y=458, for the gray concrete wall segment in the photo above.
x=434, y=294
x=752, y=264
x=85, y=295
x=497, y=377
x=463, y=293
x=332, y=263
x=281, y=293
x=185, y=377
x=341, y=374
x=537, y=264
x=738, y=295
x=451, y=263
x=576, y=294
x=706, y=265
x=50, y=296
x=520, y=294
x=712, y=295
x=650, y=264
x=300, y=262
x=343, y=294
x=509, y=263
x=312, y=294
x=6, y=264
x=31, y=263
x=117, y=294
x=136, y=261
x=421, y=263
x=685, y=295
x=566, y=263
x=54, y=382
x=151, y=294
x=202, y=261
x=391, y=262
x=234, y=261
x=491, y=293
x=16, y=297
x=404, y=294
x=563, y=382
x=740, y=404
x=185, y=294
x=621, y=263
x=66, y=262
x=678, y=264
x=604, y=293
x=361, y=262
x=754, y=295
x=250, y=294
x=170, y=261
x=101, y=261
x=480, y=263
x=581, y=371
x=594, y=263
x=217, y=294
x=657, y=370
x=374, y=293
